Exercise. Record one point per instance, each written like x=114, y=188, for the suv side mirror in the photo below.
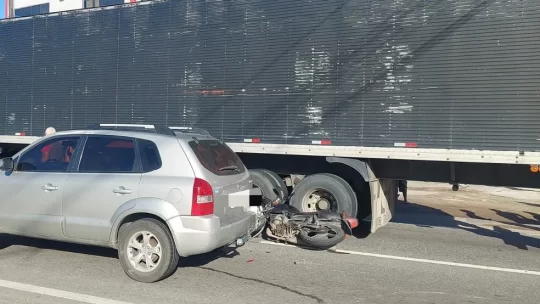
x=6, y=164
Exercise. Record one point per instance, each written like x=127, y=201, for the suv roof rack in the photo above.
x=133, y=127
x=190, y=130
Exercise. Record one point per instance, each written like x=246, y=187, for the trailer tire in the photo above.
x=278, y=182
x=337, y=187
x=350, y=190
x=264, y=183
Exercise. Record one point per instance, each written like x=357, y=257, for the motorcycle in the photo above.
x=282, y=222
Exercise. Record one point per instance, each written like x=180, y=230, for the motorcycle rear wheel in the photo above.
x=325, y=237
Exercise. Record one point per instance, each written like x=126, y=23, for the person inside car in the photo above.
x=54, y=148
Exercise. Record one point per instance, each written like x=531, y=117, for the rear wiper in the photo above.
x=229, y=168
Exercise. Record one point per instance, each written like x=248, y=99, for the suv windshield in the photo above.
x=217, y=157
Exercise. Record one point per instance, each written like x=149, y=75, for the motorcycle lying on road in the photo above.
x=320, y=230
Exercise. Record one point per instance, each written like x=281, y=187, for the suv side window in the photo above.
x=53, y=155
x=108, y=154
x=150, y=158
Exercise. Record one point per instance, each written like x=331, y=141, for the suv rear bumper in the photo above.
x=201, y=234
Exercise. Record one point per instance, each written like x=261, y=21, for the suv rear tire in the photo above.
x=156, y=246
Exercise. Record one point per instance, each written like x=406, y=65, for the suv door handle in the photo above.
x=121, y=190
x=49, y=187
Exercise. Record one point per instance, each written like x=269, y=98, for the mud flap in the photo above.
x=383, y=198
x=384, y=192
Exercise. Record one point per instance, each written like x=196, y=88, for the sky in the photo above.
x=2, y=9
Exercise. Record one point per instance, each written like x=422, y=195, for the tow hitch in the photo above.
x=242, y=241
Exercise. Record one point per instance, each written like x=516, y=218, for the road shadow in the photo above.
x=205, y=259
x=423, y=216
x=7, y=241
x=519, y=220
x=536, y=216
x=529, y=204
x=363, y=230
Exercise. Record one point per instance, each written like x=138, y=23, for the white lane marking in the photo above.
x=276, y=244
x=58, y=293
x=394, y=257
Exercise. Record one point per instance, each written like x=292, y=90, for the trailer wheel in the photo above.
x=350, y=190
x=325, y=192
x=278, y=182
x=264, y=183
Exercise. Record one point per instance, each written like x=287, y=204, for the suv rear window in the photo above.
x=217, y=157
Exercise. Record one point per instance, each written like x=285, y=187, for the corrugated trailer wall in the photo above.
x=438, y=74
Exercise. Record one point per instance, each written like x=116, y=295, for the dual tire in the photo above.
x=271, y=185
x=339, y=196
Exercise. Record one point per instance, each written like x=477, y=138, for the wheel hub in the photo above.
x=323, y=204
x=318, y=199
x=144, y=251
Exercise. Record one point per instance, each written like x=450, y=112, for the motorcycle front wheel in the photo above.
x=323, y=237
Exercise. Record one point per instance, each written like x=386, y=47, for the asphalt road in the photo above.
x=401, y=263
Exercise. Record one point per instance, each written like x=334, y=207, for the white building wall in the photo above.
x=65, y=5
x=24, y=3
x=56, y=5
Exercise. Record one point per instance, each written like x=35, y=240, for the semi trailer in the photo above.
x=329, y=102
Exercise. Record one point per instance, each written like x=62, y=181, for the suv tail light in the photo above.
x=203, y=198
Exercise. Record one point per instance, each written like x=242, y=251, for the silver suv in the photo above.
x=154, y=193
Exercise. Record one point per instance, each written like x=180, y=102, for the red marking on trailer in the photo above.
x=321, y=142
x=406, y=145
x=252, y=140
x=411, y=145
x=212, y=92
